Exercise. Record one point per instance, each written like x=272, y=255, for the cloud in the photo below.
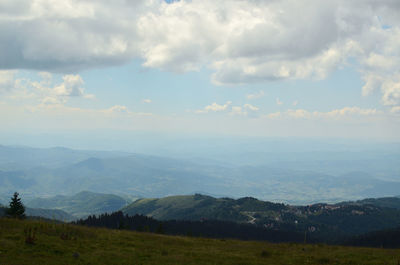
x=70, y=87
x=214, y=107
x=46, y=90
x=121, y=110
x=388, y=85
x=117, y=109
x=146, y=101
x=67, y=36
x=395, y=110
x=257, y=95
x=51, y=106
x=7, y=81
x=245, y=110
x=51, y=100
x=391, y=92
x=251, y=107
x=333, y=114
x=46, y=76
x=250, y=111
x=240, y=41
x=278, y=102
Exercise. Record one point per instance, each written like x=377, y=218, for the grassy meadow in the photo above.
x=39, y=242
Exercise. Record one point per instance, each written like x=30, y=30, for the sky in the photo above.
x=290, y=68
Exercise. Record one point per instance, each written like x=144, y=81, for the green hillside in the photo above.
x=328, y=222
x=67, y=244
x=197, y=207
x=81, y=204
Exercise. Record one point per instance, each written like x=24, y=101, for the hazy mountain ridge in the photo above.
x=388, y=202
x=21, y=157
x=50, y=214
x=81, y=204
x=45, y=172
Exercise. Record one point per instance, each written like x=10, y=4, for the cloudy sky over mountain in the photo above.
x=257, y=68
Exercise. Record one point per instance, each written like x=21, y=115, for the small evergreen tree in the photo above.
x=16, y=208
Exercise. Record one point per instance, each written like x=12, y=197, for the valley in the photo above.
x=49, y=172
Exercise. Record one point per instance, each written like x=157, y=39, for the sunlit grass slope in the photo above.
x=67, y=244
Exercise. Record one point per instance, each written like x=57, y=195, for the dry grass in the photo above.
x=68, y=244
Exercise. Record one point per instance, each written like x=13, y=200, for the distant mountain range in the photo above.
x=81, y=204
x=35, y=172
x=50, y=214
x=68, y=208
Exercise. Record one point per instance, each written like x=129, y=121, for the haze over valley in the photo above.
x=292, y=171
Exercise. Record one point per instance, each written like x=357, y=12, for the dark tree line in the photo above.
x=389, y=238
x=206, y=228
x=222, y=229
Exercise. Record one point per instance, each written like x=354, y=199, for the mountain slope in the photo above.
x=198, y=207
x=327, y=221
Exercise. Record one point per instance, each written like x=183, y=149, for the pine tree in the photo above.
x=16, y=209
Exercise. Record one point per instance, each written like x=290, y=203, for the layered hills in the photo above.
x=81, y=204
x=50, y=214
x=322, y=222
x=291, y=177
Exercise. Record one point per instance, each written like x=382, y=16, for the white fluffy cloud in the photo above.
x=214, y=107
x=241, y=41
x=71, y=86
x=251, y=107
x=245, y=110
x=45, y=91
x=7, y=81
x=117, y=109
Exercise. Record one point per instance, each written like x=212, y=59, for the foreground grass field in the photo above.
x=66, y=244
